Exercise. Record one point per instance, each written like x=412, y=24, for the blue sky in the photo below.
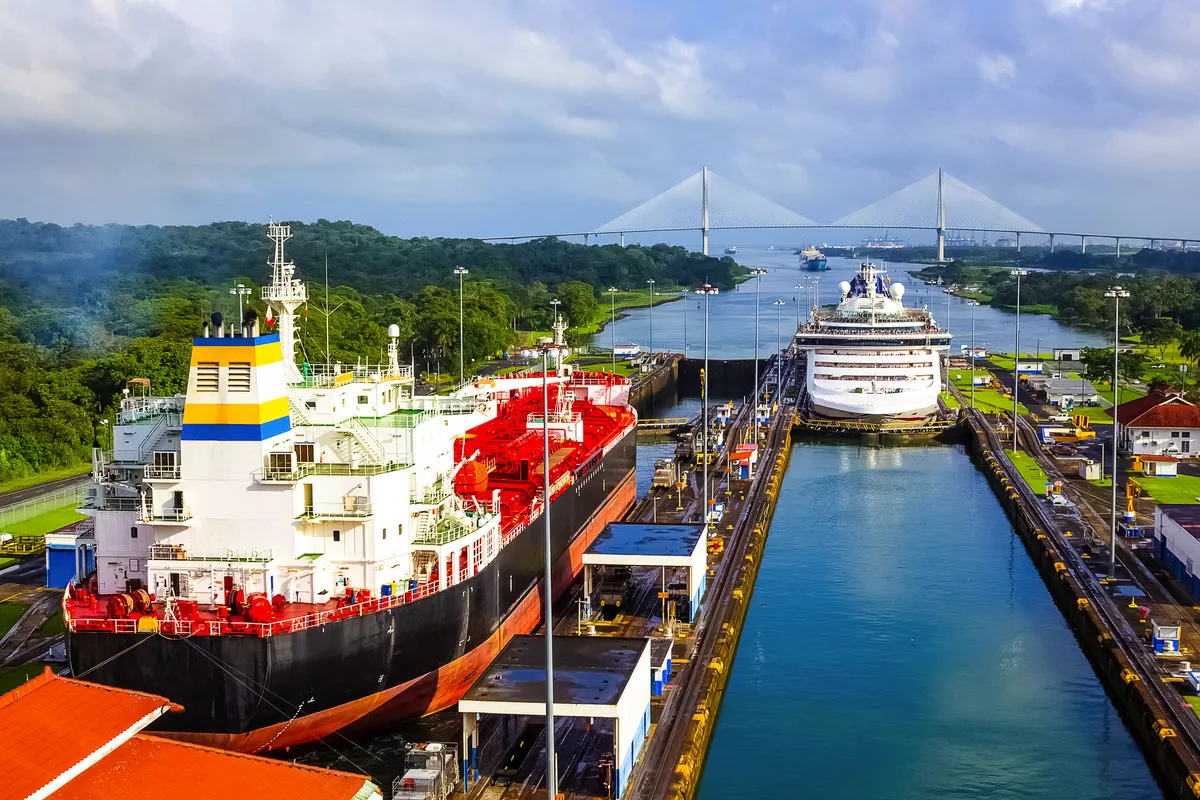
x=516, y=116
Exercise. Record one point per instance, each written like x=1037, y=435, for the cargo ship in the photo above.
x=869, y=357
x=290, y=549
x=813, y=260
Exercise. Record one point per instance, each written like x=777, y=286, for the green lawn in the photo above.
x=623, y=367
x=44, y=477
x=1193, y=701
x=9, y=614
x=53, y=625
x=1030, y=471
x=1183, y=489
x=14, y=678
x=990, y=401
x=45, y=523
x=950, y=400
x=1127, y=393
x=962, y=377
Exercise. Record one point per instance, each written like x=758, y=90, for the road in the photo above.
x=20, y=495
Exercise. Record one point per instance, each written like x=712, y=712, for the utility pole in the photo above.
x=241, y=290
x=1116, y=293
x=460, y=272
x=651, y=282
x=707, y=291
x=779, y=304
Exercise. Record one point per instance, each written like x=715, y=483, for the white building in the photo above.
x=1177, y=541
x=1159, y=424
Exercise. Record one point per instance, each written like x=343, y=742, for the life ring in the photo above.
x=481, y=408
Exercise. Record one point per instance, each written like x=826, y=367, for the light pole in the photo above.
x=817, y=291
x=779, y=304
x=555, y=302
x=612, y=293
x=757, y=274
x=1116, y=293
x=548, y=613
x=241, y=290
x=1018, y=274
x=707, y=291
x=972, y=304
x=798, y=287
x=460, y=272
x=651, y=282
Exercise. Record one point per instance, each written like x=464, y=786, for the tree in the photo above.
x=1097, y=364
x=1160, y=332
x=579, y=302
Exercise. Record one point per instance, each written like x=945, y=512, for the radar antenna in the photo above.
x=284, y=295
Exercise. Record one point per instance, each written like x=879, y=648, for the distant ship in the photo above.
x=813, y=260
x=731, y=251
x=870, y=358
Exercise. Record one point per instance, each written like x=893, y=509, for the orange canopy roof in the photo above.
x=149, y=766
x=51, y=726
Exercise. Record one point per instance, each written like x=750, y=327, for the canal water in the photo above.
x=731, y=314
x=900, y=644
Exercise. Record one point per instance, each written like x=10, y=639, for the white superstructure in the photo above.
x=870, y=357
x=302, y=480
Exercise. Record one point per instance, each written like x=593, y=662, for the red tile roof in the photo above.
x=1165, y=459
x=1159, y=410
x=72, y=740
x=149, y=766
x=51, y=725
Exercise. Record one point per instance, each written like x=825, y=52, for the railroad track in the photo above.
x=664, y=750
x=1144, y=665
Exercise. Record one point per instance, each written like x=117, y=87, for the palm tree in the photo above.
x=1189, y=346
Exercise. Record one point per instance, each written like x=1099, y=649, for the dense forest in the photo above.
x=85, y=308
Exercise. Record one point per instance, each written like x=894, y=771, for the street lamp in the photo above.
x=817, y=291
x=779, y=304
x=612, y=293
x=756, y=273
x=1018, y=274
x=1116, y=293
x=460, y=272
x=972, y=304
x=707, y=291
x=651, y=282
x=796, y=299
x=241, y=290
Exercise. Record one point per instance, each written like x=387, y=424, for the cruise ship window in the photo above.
x=208, y=376
x=133, y=532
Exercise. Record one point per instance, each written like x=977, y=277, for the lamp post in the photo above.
x=756, y=273
x=798, y=287
x=460, y=272
x=612, y=293
x=651, y=282
x=707, y=291
x=1018, y=274
x=779, y=304
x=548, y=613
x=1116, y=293
x=241, y=290
x=817, y=291
x=972, y=304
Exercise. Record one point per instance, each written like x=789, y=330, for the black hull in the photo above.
x=233, y=684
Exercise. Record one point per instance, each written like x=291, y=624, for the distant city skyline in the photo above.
x=467, y=119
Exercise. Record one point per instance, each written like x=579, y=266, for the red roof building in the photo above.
x=1160, y=423
x=72, y=740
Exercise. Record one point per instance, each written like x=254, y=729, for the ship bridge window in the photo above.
x=305, y=452
x=208, y=376
x=133, y=532
x=363, y=399
x=239, y=376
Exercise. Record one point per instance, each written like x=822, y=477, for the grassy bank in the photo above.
x=46, y=522
x=45, y=476
x=1030, y=471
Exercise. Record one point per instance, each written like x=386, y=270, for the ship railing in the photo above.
x=181, y=514
x=303, y=470
x=431, y=495
x=177, y=552
x=163, y=472
x=325, y=376
x=137, y=408
x=350, y=506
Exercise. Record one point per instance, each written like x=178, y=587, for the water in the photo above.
x=731, y=314
x=903, y=648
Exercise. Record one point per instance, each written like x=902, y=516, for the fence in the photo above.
x=69, y=497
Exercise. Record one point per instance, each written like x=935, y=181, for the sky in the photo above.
x=514, y=117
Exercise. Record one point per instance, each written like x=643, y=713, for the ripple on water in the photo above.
x=900, y=644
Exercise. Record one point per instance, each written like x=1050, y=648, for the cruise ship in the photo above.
x=289, y=549
x=869, y=357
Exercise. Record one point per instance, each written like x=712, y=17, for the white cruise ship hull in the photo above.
x=878, y=407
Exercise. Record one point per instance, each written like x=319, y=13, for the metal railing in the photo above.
x=70, y=497
x=324, y=376
x=329, y=468
x=177, y=552
x=162, y=472
x=181, y=514
x=352, y=506
x=138, y=408
x=432, y=495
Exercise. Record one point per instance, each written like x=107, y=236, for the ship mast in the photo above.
x=284, y=295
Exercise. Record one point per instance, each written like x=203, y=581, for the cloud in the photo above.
x=452, y=116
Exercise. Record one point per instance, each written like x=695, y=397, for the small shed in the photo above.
x=595, y=677
x=631, y=544
x=660, y=664
x=627, y=350
x=1067, y=353
x=1090, y=470
x=1154, y=466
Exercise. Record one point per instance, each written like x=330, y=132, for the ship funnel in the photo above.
x=844, y=287
x=218, y=323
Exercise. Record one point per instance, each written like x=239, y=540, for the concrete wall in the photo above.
x=726, y=377
x=659, y=389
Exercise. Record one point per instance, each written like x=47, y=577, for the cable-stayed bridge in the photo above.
x=706, y=202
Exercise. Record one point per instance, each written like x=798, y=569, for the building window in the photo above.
x=337, y=536
x=239, y=376
x=133, y=532
x=208, y=376
x=1187, y=434
x=1144, y=434
x=1174, y=434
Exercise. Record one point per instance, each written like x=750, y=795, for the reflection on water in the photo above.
x=900, y=644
